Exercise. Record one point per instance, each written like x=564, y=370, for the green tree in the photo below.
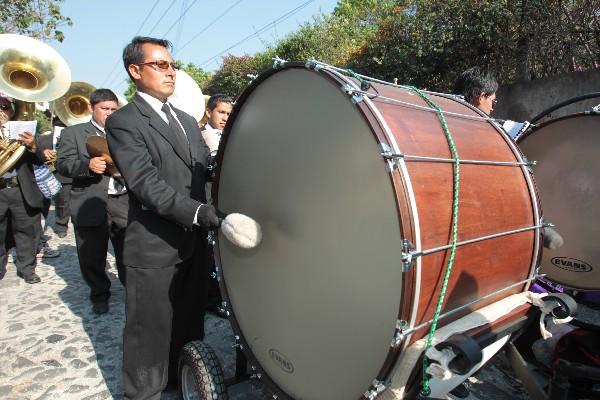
x=428, y=43
x=237, y=72
x=40, y=19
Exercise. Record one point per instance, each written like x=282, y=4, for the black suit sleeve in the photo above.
x=42, y=142
x=131, y=154
x=68, y=161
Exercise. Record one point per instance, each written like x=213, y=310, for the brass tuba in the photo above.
x=30, y=71
x=74, y=106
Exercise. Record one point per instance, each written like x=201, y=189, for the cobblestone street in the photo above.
x=52, y=346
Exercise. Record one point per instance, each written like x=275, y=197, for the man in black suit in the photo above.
x=163, y=158
x=99, y=203
x=21, y=201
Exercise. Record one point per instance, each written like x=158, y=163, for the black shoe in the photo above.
x=61, y=234
x=461, y=391
x=31, y=278
x=44, y=238
x=100, y=308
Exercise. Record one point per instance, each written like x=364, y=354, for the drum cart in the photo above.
x=555, y=383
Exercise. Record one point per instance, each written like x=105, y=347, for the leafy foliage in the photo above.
x=428, y=43
x=40, y=19
x=236, y=72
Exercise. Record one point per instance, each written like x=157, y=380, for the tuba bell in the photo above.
x=30, y=72
x=187, y=95
x=74, y=106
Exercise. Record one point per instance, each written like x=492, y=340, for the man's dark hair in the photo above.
x=474, y=81
x=133, y=54
x=100, y=95
x=216, y=99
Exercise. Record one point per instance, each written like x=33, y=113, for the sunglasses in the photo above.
x=162, y=65
x=5, y=107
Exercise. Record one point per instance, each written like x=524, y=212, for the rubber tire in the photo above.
x=567, y=305
x=467, y=350
x=206, y=369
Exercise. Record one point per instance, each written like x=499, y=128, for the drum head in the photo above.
x=317, y=301
x=568, y=177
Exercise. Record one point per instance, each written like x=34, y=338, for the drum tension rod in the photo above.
x=387, y=153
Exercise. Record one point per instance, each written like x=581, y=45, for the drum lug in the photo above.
x=314, y=64
x=278, y=62
x=376, y=388
x=401, y=328
x=530, y=164
x=408, y=255
x=356, y=95
x=388, y=155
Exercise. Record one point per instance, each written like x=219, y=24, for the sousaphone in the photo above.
x=74, y=106
x=30, y=71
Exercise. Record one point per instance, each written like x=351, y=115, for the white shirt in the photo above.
x=157, y=107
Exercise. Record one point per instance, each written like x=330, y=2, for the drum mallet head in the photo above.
x=241, y=230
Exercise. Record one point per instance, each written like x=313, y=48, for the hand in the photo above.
x=49, y=154
x=97, y=165
x=28, y=140
x=209, y=217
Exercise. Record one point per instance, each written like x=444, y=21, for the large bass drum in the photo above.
x=317, y=163
x=568, y=173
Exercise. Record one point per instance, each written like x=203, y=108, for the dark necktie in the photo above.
x=176, y=128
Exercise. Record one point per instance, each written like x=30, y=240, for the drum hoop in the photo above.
x=534, y=128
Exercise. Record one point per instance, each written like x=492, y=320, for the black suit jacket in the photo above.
x=165, y=183
x=89, y=190
x=45, y=142
x=29, y=188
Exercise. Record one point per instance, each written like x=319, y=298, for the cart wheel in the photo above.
x=467, y=350
x=200, y=373
x=566, y=305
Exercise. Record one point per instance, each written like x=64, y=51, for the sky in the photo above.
x=207, y=30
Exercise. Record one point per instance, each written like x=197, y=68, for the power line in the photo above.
x=179, y=19
x=138, y=31
x=214, y=21
x=264, y=28
x=180, y=26
x=151, y=30
x=161, y=17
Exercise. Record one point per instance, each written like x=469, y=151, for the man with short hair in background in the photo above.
x=99, y=203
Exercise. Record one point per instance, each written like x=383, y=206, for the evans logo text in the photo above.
x=281, y=361
x=571, y=264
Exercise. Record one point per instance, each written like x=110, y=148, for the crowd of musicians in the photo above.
x=156, y=211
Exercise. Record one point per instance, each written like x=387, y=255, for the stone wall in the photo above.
x=524, y=100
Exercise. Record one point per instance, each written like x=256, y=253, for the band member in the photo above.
x=21, y=201
x=478, y=87
x=99, y=203
x=47, y=145
x=163, y=158
x=217, y=112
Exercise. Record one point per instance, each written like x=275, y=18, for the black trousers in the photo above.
x=26, y=228
x=92, y=247
x=62, y=209
x=165, y=310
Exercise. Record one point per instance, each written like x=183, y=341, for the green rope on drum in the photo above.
x=425, y=389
